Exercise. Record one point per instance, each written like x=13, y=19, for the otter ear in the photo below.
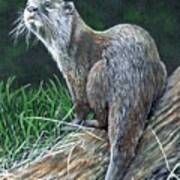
x=68, y=8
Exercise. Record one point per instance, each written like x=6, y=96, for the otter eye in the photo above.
x=69, y=8
x=48, y=4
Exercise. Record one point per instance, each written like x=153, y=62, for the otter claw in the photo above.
x=77, y=121
x=91, y=123
x=86, y=123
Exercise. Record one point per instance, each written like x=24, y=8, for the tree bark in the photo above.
x=84, y=154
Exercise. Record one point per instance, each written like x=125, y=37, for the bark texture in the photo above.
x=84, y=155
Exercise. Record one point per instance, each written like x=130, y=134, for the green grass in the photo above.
x=30, y=118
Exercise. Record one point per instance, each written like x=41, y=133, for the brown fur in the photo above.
x=117, y=74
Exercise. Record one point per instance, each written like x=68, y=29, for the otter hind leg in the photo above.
x=96, y=93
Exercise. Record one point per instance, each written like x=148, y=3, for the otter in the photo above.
x=117, y=74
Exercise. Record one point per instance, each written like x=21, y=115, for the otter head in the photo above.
x=49, y=20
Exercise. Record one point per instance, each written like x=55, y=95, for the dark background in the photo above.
x=33, y=64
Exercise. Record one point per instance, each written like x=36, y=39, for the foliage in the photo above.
x=22, y=116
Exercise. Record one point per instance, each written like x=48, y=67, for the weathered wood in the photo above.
x=84, y=155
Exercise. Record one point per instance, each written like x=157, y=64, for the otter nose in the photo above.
x=32, y=9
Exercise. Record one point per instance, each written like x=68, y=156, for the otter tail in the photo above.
x=125, y=131
x=132, y=92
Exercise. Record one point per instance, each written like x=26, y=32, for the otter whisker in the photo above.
x=28, y=37
x=35, y=41
x=17, y=20
x=16, y=32
x=20, y=29
x=17, y=28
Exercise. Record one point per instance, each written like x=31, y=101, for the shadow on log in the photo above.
x=84, y=154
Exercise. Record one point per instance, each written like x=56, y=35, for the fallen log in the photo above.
x=84, y=154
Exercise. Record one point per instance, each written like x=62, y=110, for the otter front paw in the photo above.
x=87, y=123
x=91, y=123
x=77, y=121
